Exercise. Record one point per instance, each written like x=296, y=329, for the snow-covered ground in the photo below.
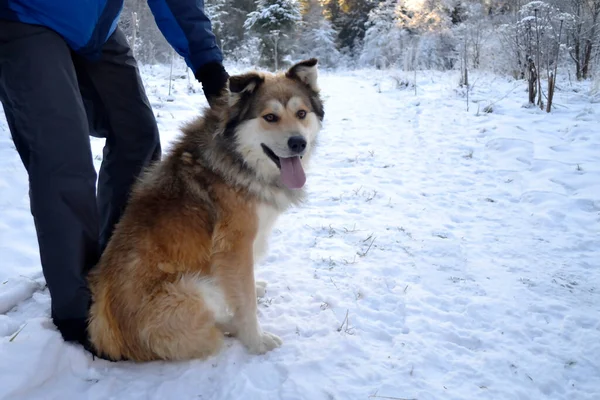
x=443, y=254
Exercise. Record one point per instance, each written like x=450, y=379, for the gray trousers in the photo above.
x=53, y=100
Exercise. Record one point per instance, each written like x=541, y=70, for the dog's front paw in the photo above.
x=261, y=288
x=267, y=342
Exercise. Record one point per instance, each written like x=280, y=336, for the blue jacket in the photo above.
x=86, y=24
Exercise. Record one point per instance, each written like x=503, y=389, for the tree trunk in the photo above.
x=462, y=81
x=587, y=55
x=589, y=45
x=532, y=81
x=171, y=73
x=550, y=91
x=552, y=75
x=466, y=66
x=538, y=50
x=575, y=34
x=521, y=68
x=134, y=28
x=276, y=53
x=589, y=42
x=576, y=59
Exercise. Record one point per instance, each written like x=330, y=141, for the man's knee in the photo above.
x=152, y=135
x=142, y=136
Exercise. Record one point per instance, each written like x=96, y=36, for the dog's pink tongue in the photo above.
x=292, y=173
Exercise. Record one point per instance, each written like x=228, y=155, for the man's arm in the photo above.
x=187, y=28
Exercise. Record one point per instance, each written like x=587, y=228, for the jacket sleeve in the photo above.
x=187, y=28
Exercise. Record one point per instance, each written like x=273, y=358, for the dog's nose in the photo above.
x=297, y=144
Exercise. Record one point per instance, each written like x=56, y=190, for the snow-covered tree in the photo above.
x=432, y=22
x=315, y=35
x=216, y=11
x=533, y=30
x=350, y=23
x=382, y=45
x=227, y=18
x=497, y=35
x=475, y=25
x=139, y=25
x=539, y=27
x=274, y=22
x=422, y=16
x=583, y=34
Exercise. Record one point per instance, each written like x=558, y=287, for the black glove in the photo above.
x=213, y=77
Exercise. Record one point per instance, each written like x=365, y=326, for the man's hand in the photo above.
x=213, y=77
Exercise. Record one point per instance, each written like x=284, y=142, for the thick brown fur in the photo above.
x=178, y=272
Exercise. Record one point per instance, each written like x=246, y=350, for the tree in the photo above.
x=274, y=21
x=431, y=21
x=139, y=25
x=540, y=28
x=348, y=19
x=583, y=34
x=228, y=17
x=216, y=11
x=316, y=36
x=476, y=23
x=351, y=24
x=383, y=42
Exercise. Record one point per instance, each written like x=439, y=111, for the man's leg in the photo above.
x=132, y=138
x=47, y=120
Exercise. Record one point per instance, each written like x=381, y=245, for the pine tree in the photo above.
x=274, y=22
x=137, y=20
x=316, y=36
x=382, y=43
x=228, y=17
x=348, y=19
x=216, y=11
x=351, y=23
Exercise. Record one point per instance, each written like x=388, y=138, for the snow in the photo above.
x=443, y=254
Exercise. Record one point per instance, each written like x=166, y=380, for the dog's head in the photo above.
x=273, y=121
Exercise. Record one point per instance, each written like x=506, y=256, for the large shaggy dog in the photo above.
x=178, y=272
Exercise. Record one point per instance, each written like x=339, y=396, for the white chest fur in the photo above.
x=267, y=216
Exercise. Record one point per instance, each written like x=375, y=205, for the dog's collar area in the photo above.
x=271, y=155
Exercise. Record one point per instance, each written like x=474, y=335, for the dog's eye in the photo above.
x=301, y=114
x=271, y=118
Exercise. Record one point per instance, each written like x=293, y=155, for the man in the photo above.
x=66, y=71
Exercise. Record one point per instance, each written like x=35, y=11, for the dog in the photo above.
x=177, y=276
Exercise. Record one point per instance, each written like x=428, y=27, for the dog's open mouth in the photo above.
x=292, y=172
x=271, y=155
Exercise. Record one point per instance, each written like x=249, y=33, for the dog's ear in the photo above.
x=306, y=72
x=245, y=83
